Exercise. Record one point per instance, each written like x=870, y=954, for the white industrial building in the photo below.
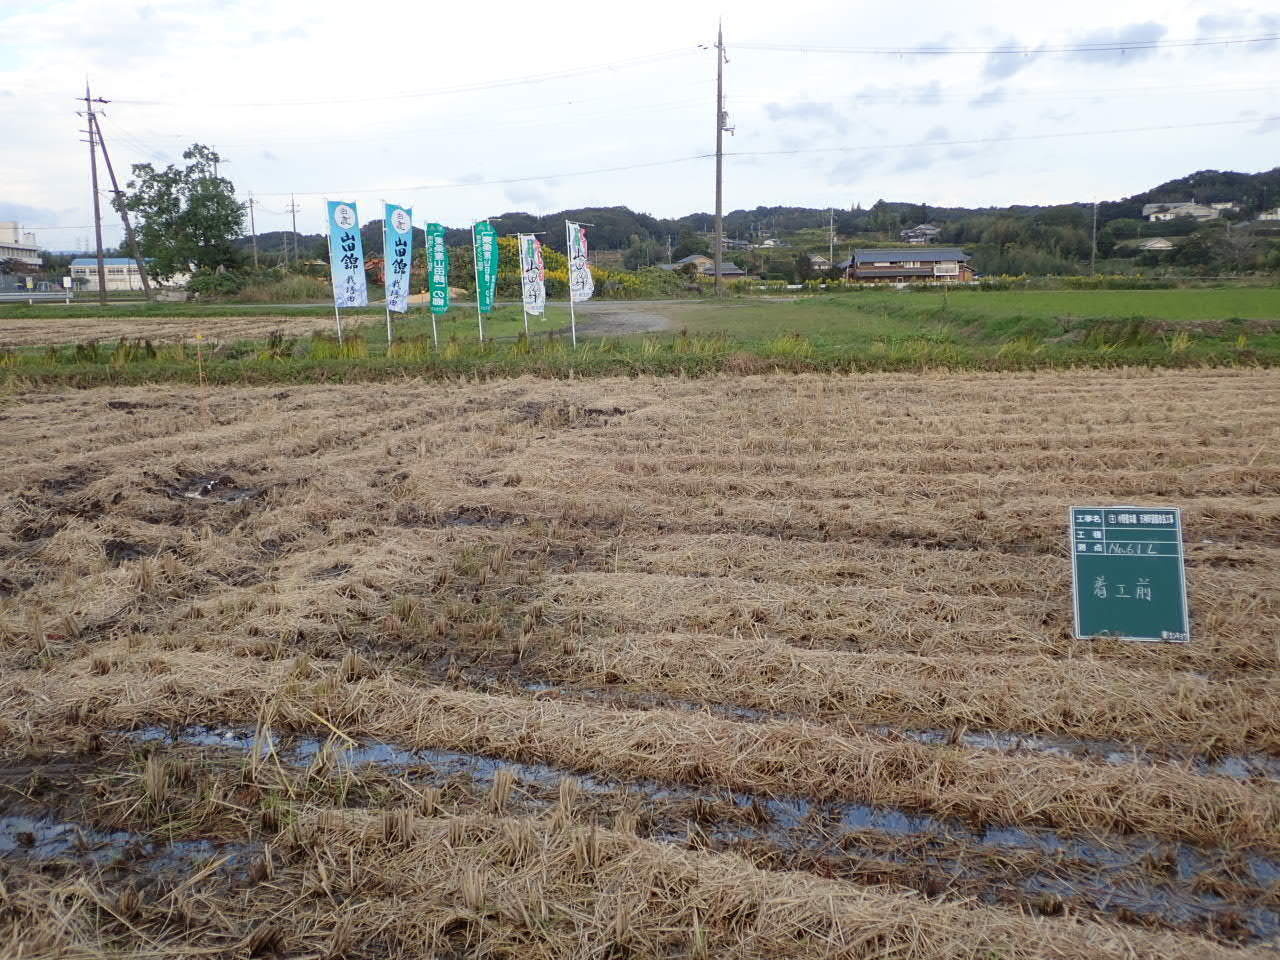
x=16, y=245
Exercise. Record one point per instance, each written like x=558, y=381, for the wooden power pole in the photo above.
x=293, y=211
x=97, y=201
x=720, y=124
x=253, y=233
x=129, y=238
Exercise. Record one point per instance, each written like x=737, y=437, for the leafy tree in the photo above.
x=640, y=252
x=690, y=243
x=803, y=267
x=186, y=216
x=1196, y=252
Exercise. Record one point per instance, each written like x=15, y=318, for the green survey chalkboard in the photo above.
x=1127, y=573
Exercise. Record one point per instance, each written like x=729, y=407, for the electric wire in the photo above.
x=1107, y=46
x=442, y=91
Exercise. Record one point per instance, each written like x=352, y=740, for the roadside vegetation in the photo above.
x=858, y=331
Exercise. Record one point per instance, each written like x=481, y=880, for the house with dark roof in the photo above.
x=921, y=233
x=706, y=266
x=911, y=265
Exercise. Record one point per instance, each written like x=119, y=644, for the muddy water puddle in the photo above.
x=213, y=488
x=44, y=838
x=1157, y=880
x=1247, y=766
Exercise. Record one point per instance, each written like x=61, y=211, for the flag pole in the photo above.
x=328, y=226
x=524, y=307
x=568, y=239
x=386, y=295
x=475, y=262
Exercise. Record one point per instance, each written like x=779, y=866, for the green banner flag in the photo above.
x=437, y=268
x=485, y=246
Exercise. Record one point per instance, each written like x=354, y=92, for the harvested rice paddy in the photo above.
x=772, y=666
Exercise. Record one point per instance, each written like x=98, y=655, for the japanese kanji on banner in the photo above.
x=485, y=244
x=346, y=256
x=437, y=268
x=533, y=287
x=397, y=241
x=581, y=283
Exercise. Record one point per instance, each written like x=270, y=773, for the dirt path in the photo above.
x=602, y=318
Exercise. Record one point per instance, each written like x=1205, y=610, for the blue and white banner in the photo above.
x=346, y=256
x=397, y=242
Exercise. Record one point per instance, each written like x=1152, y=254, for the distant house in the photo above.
x=934, y=265
x=772, y=242
x=705, y=266
x=1157, y=212
x=921, y=233
x=1156, y=243
x=1270, y=214
x=122, y=274
x=818, y=263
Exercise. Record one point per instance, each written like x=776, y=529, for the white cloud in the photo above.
x=318, y=96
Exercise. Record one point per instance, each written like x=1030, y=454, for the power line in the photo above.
x=767, y=153
x=443, y=91
x=667, y=105
x=927, y=95
x=1009, y=139
x=1110, y=46
x=483, y=183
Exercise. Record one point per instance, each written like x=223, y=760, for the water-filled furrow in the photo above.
x=1144, y=876
x=47, y=838
x=1240, y=766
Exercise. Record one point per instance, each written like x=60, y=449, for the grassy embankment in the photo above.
x=845, y=332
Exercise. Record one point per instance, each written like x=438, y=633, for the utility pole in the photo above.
x=129, y=237
x=97, y=202
x=253, y=233
x=720, y=127
x=1093, y=250
x=831, y=234
x=293, y=209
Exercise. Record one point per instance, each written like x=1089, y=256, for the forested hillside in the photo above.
x=1013, y=239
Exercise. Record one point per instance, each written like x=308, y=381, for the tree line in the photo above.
x=187, y=216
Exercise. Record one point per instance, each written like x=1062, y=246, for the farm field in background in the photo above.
x=964, y=315
x=734, y=666
x=842, y=332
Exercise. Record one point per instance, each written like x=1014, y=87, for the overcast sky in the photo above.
x=408, y=102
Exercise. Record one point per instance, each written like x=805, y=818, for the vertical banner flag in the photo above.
x=397, y=241
x=437, y=268
x=533, y=287
x=346, y=256
x=581, y=284
x=486, y=254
